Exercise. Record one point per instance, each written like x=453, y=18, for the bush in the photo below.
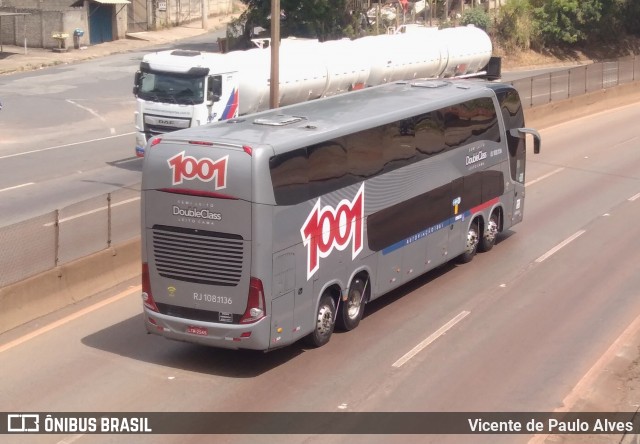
x=630, y=17
x=567, y=22
x=515, y=28
x=477, y=17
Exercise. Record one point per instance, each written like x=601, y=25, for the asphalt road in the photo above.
x=525, y=321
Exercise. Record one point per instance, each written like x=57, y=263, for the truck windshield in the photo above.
x=171, y=88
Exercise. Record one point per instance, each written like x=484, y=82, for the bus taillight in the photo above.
x=147, y=298
x=255, y=304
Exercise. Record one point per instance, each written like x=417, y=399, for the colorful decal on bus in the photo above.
x=205, y=169
x=327, y=228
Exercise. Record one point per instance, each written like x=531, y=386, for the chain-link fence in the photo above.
x=61, y=236
x=567, y=83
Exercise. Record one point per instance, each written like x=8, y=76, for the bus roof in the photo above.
x=311, y=122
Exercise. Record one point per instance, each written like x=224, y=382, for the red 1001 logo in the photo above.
x=205, y=169
x=327, y=228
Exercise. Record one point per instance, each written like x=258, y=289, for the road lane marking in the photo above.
x=561, y=245
x=435, y=335
x=635, y=197
x=17, y=186
x=96, y=210
x=531, y=182
x=87, y=109
x=66, y=145
x=71, y=317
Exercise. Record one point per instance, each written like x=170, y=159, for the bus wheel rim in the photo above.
x=325, y=318
x=492, y=230
x=472, y=240
x=353, y=304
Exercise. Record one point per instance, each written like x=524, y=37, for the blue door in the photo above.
x=100, y=23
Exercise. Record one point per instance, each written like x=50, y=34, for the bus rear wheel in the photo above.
x=471, y=244
x=324, y=322
x=490, y=233
x=352, y=309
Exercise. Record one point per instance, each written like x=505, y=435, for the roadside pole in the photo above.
x=205, y=15
x=275, y=55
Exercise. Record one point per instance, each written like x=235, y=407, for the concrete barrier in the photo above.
x=47, y=292
x=52, y=290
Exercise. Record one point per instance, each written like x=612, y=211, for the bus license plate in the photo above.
x=200, y=331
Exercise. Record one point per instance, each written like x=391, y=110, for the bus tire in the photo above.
x=324, y=322
x=352, y=309
x=471, y=244
x=490, y=233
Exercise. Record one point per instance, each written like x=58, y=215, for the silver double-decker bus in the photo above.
x=283, y=225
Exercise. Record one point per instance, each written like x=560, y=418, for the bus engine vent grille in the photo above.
x=203, y=257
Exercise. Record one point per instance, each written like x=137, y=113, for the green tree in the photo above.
x=611, y=25
x=515, y=27
x=630, y=16
x=566, y=21
x=619, y=17
x=476, y=16
x=322, y=19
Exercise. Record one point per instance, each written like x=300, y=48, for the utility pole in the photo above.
x=205, y=14
x=430, y=12
x=274, y=92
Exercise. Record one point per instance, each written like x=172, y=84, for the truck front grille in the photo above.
x=156, y=125
x=156, y=130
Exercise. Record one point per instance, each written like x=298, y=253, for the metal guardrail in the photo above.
x=61, y=236
x=567, y=83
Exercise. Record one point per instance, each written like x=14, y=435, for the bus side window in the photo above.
x=290, y=177
x=327, y=167
x=430, y=133
x=365, y=153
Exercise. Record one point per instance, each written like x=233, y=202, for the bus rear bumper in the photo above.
x=232, y=336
